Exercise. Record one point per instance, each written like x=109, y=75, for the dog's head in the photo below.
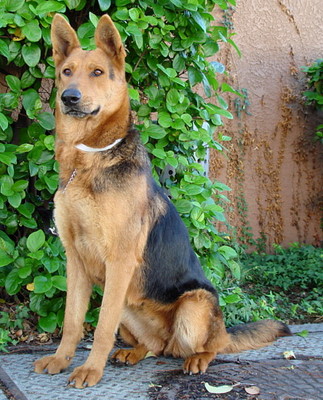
x=89, y=82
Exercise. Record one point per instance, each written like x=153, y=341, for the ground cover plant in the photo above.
x=168, y=44
x=290, y=281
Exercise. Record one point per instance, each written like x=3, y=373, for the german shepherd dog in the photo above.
x=121, y=231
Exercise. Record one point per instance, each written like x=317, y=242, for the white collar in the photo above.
x=89, y=149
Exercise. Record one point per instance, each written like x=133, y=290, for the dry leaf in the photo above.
x=30, y=287
x=150, y=354
x=218, y=389
x=43, y=337
x=289, y=355
x=252, y=390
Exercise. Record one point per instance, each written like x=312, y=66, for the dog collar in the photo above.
x=89, y=149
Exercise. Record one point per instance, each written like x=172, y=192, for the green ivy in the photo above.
x=168, y=44
x=315, y=96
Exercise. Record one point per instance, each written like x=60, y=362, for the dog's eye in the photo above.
x=97, y=72
x=67, y=72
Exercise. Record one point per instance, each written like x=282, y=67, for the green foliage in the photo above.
x=291, y=279
x=315, y=95
x=5, y=340
x=167, y=43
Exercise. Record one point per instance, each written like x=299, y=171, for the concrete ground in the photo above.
x=162, y=378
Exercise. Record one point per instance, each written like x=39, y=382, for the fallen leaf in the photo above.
x=289, y=355
x=150, y=354
x=304, y=333
x=153, y=385
x=218, y=389
x=30, y=287
x=252, y=390
x=43, y=337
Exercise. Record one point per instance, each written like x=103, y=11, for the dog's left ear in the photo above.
x=108, y=39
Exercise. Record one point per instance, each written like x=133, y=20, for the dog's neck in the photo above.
x=88, y=149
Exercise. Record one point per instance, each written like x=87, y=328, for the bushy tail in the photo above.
x=255, y=335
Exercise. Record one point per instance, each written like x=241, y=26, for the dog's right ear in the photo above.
x=63, y=38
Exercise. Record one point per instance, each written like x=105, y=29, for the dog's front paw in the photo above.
x=51, y=364
x=85, y=376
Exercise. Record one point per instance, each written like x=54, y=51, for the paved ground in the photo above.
x=162, y=378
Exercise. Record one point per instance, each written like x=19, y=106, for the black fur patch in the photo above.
x=171, y=266
x=116, y=176
x=132, y=161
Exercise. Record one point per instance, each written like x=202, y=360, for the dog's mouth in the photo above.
x=74, y=112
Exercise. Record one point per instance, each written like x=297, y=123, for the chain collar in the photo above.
x=72, y=177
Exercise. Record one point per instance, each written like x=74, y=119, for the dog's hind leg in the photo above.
x=198, y=331
x=132, y=355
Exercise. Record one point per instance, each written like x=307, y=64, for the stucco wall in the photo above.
x=274, y=166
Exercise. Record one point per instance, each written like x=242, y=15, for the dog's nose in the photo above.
x=71, y=97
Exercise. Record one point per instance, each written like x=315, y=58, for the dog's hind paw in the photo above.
x=130, y=356
x=197, y=363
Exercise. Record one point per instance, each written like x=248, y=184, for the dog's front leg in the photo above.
x=118, y=277
x=78, y=294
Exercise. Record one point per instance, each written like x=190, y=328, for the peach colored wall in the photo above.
x=274, y=166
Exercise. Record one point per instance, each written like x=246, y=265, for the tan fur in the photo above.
x=104, y=232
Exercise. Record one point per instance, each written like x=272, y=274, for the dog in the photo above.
x=120, y=230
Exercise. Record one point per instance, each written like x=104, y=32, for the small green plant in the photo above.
x=291, y=279
x=315, y=95
x=5, y=340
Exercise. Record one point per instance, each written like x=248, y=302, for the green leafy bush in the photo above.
x=291, y=279
x=168, y=43
x=315, y=96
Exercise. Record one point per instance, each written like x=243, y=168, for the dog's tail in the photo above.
x=254, y=335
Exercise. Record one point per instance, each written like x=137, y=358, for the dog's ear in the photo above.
x=108, y=39
x=63, y=38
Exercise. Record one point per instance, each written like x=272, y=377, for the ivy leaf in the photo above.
x=15, y=200
x=3, y=121
x=48, y=323
x=71, y=4
x=104, y=4
x=24, y=148
x=155, y=131
x=200, y=21
x=194, y=76
x=59, y=282
x=159, y=153
x=35, y=241
x=42, y=284
x=50, y=6
x=31, y=54
x=32, y=31
x=227, y=252
x=183, y=206
x=172, y=97
x=217, y=67
x=13, y=83
x=46, y=120
x=134, y=31
x=29, y=99
x=13, y=282
x=4, y=49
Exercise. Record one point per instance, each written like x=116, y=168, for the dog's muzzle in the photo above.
x=71, y=99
